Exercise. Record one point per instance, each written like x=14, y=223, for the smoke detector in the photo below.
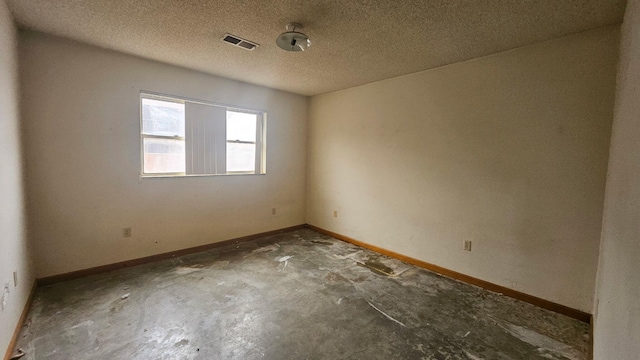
x=293, y=40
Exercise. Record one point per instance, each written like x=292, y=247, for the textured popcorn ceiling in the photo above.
x=354, y=42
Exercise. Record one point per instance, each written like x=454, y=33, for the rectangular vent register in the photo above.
x=239, y=42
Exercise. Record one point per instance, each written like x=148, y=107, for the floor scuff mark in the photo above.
x=285, y=261
x=471, y=356
x=18, y=354
x=387, y=316
x=184, y=270
x=268, y=248
x=348, y=256
x=545, y=344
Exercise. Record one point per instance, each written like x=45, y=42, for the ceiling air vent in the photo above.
x=239, y=42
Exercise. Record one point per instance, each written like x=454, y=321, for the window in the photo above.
x=182, y=137
x=163, y=136
x=241, y=141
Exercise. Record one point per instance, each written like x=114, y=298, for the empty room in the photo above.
x=320, y=179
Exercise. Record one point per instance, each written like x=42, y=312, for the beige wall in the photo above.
x=14, y=250
x=617, y=305
x=509, y=151
x=81, y=116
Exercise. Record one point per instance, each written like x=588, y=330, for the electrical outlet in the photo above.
x=273, y=211
x=467, y=245
x=335, y=213
x=126, y=232
x=15, y=279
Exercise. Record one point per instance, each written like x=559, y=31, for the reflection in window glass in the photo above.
x=164, y=156
x=163, y=118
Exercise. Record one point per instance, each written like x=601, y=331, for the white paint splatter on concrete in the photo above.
x=184, y=270
x=284, y=261
x=87, y=324
x=268, y=248
x=471, y=356
x=348, y=256
x=387, y=316
x=545, y=344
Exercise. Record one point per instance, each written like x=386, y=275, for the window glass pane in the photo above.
x=241, y=126
x=241, y=157
x=164, y=118
x=164, y=156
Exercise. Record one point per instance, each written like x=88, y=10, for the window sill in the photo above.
x=161, y=176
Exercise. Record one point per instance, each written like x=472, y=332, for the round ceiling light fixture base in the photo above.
x=293, y=40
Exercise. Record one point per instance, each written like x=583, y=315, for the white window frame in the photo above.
x=260, y=143
x=147, y=136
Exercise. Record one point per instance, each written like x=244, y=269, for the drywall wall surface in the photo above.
x=82, y=130
x=14, y=249
x=617, y=305
x=508, y=151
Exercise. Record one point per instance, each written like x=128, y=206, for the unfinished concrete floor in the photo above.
x=298, y=295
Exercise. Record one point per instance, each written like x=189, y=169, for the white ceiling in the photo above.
x=354, y=42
